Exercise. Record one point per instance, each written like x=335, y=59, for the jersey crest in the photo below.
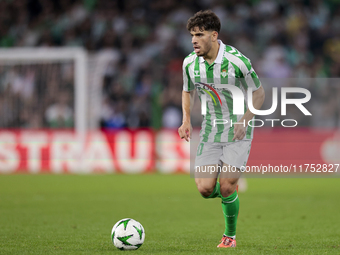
x=224, y=73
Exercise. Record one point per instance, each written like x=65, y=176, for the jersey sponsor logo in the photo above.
x=238, y=97
x=205, y=87
x=238, y=109
x=197, y=73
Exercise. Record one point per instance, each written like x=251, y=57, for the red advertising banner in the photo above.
x=143, y=150
x=295, y=146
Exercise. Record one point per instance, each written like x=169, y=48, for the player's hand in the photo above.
x=239, y=131
x=185, y=130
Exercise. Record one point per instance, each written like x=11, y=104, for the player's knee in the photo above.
x=227, y=188
x=205, y=190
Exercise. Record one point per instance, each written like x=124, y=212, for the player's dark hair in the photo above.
x=204, y=20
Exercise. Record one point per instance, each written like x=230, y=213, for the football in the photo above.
x=128, y=234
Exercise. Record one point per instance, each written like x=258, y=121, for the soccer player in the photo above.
x=211, y=65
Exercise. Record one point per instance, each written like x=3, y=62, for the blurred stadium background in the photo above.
x=95, y=86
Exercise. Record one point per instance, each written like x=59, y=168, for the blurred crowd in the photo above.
x=146, y=42
x=37, y=95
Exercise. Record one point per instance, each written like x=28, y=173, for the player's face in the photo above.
x=202, y=41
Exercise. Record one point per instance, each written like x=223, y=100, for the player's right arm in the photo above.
x=188, y=94
x=184, y=131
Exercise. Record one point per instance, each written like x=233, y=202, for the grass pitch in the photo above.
x=74, y=214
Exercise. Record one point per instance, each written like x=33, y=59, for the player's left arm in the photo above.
x=250, y=80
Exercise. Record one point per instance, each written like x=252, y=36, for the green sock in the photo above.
x=216, y=192
x=230, y=207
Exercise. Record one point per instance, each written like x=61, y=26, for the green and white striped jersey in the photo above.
x=231, y=67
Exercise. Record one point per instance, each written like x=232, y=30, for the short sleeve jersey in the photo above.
x=230, y=68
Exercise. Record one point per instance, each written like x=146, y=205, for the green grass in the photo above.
x=74, y=214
